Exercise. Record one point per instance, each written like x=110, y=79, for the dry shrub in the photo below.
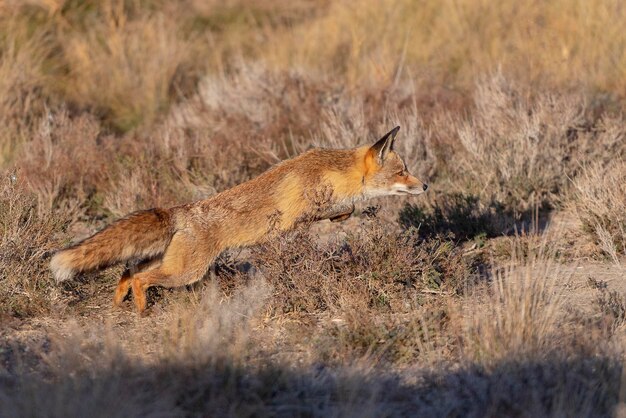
x=611, y=305
x=463, y=217
x=195, y=364
x=22, y=79
x=232, y=130
x=209, y=359
x=513, y=150
x=267, y=100
x=256, y=106
x=360, y=118
x=28, y=233
x=65, y=163
x=418, y=337
x=386, y=291
x=124, y=66
x=203, y=361
x=216, y=325
x=515, y=153
x=377, y=269
x=519, y=317
x=599, y=199
x=523, y=313
x=519, y=333
x=161, y=171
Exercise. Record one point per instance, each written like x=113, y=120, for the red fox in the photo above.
x=176, y=246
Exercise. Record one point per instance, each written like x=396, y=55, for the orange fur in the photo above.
x=179, y=244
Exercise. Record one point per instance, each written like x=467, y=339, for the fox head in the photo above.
x=386, y=173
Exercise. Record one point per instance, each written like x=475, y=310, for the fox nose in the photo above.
x=425, y=187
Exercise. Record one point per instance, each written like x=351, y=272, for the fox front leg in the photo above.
x=341, y=218
x=339, y=213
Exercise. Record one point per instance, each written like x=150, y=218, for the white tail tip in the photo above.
x=61, y=270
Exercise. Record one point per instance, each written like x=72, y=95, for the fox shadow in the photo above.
x=465, y=217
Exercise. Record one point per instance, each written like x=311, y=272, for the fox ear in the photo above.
x=385, y=144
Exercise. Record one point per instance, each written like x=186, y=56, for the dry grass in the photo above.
x=520, y=151
x=599, y=199
x=563, y=42
x=28, y=234
x=520, y=315
x=123, y=67
x=22, y=80
x=508, y=355
x=91, y=53
x=62, y=163
x=512, y=113
x=374, y=269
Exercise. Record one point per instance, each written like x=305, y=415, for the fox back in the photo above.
x=177, y=245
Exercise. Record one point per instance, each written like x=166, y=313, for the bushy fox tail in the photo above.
x=142, y=234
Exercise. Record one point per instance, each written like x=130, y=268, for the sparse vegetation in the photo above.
x=28, y=233
x=461, y=216
x=599, y=198
x=465, y=302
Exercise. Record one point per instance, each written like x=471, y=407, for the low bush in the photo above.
x=28, y=234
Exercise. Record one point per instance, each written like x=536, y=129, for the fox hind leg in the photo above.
x=186, y=260
x=122, y=288
x=124, y=285
x=140, y=284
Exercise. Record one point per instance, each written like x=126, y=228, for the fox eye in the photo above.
x=400, y=173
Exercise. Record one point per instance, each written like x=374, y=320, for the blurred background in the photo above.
x=253, y=81
x=129, y=61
